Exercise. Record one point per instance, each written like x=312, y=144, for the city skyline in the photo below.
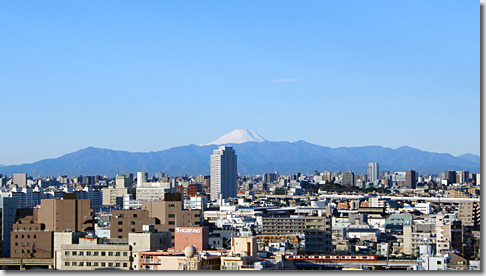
x=150, y=76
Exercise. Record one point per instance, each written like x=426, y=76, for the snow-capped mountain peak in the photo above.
x=238, y=136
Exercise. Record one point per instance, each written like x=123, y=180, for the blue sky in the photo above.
x=151, y=75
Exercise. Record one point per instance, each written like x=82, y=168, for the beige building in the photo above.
x=412, y=240
x=78, y=251
x=123, y=181
x=318, y=235
x=151, y=193
x=442, y=233
x=470, y=213
x=19, y=179
x=457, y=194
x=147, y=242
x=94, y=256
x=110, y=194
x=242, y=256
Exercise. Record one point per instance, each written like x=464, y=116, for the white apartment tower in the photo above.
x=224, y=175
x=373, y=170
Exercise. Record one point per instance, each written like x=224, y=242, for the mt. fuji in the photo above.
x=238, y=136
x=255, y=154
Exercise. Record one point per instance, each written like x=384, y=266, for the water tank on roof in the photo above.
x=190, y=251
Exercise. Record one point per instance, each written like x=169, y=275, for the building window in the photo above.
x=88, y=263
x=66, y=263
x=74, y=264
x=66, y=253
x=95, y=253
x=135, y=215
x=133, y=229
x=120, y=237
x=103, y=253
x=117, y=264
x=28, y=236
x=110, y=253
x=110, y=264
x=88, y=253
x=120, y=222
x=132, y=222
x=117, y=253
x=171, y=215
x=125, y=254
x=171, y=205
x=95, y=264
x=103, y=264
x=81, y=263
x=125, y=265
x=171, y=222
x=120, y=230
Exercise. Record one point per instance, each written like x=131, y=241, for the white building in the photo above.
x=223, y=173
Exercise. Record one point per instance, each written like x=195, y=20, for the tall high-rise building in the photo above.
x=348, y=178
x=223, y=173
x=411, y=177
x=373, y=171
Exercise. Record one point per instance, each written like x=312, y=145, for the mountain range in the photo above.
x=255, y=156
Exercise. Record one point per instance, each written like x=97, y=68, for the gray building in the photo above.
x=8, y=207
x=348, y=178
x=224, y=174
x=20, y=179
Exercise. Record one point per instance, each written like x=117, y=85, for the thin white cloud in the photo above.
x=286, y=80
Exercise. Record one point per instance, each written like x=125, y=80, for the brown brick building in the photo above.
x=33, y=231
x=29, y=238
x=129, y=221
x=68, y=213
